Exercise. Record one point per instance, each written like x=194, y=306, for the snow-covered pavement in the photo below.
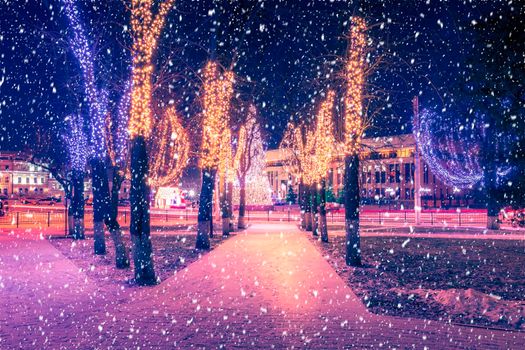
x=266, y=287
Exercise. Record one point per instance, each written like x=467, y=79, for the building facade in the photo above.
x=19, y=178
x=387, y=176
x=22, y=179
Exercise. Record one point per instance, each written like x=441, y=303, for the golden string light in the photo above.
x=297, y=147
x=169, y=150
x=241, y=145
x=145, y=28
x=308, y=156
x=250, y=162
x=226, y=157
x=218, y=92
x=247, y=133
x=355, y=79
x=324, y=138
x=108, y=129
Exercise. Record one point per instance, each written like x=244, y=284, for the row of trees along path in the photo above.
x=117, y=142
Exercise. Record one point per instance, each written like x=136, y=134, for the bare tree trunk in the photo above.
x=100, y=203
x=302, y=203
x=322, y=213
x=121, y=253
x=315, y=222
x=140, y=219
x=490, y=177
x=351, y=188
x=307, y=208
x=242, y=204
x=78, y=204
x=225, y=215
x=69, y=210
x=491, y=200
x=230, y=205
x=70, y=221
x=205, y=216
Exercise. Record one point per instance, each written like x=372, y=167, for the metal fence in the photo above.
x=56, y=218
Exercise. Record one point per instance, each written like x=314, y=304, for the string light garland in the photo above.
x=145, y=28
x=77, y=143
x=170, y=150
x=308, y=162
x=117, y=132
x=226, y=158
x=355, y=80
x=452, y=155
x=245, y=152
x=298, y=147
x=324, y=138
x=252, y=155
x=122, y=135
x=97, y=98
x=218, y=92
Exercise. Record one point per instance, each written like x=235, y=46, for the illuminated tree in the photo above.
x=216, y=101
x=225, y=179
x=324, y=152
x=355, y=67
x=145, y=28
x=78, y=151
x=297, y=146
x=118, y=151
x=250, y=162
x=309, y=177
x=169, y=150
x=291, y=197
x=245, y=157
x=53, y=156
x=97, y=101
x=493, y=88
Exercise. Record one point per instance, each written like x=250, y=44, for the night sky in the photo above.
x=282, y=51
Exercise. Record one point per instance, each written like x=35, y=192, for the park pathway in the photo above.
x=268, y=287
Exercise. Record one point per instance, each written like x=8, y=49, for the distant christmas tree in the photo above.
x=257, y=184
x=341, y=196
x=330, y=196
x=291, y=197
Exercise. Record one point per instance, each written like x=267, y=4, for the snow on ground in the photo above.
x=267, y=287
x=172, y=252
x=464, y=280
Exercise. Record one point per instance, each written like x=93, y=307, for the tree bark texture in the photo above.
x=302, y=204
x=323, y=228
x=315, y=212
x=351, y=186
x=230, y=205
x=242, y=204
x=204, y=220
x=77, y=204
x=100, y=185
x=140, y=218
x=307, y=208
x=225, y=215
x=121, y=253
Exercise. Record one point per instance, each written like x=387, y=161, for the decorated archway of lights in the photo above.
x=452, y=152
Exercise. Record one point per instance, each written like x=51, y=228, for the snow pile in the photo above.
x=473, y=302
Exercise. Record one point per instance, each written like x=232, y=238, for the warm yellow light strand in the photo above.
x=145, y=28
x=218, y=92
x=324, y=138
x=169, y=150
x=246, y=135
x=355, y=79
